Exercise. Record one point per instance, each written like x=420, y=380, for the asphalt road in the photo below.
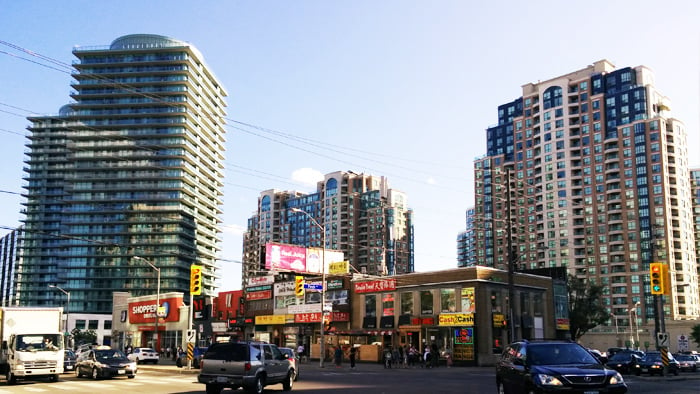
x=365, y=379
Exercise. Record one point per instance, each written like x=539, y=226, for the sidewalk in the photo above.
x=166, y=365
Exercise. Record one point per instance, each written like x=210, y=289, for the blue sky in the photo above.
x=403, y=89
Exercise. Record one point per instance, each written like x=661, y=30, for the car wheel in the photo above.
x=155, y=362
x=95, y=374
x=257, y=387
x=213, y=389
x=53, y=378
x=131, y=376
x=11, y=378
x=288, y=381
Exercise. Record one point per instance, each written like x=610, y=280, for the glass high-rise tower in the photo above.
x=129, y=173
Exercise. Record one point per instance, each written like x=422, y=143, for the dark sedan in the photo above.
x=652, y=364
x=103, y=362
x=625, y=361
x=69, y=360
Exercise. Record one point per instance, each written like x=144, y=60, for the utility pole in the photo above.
x=511, y=263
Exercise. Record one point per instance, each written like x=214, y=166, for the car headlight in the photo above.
x=547, y=380
x=616, y=379
x=104, y=365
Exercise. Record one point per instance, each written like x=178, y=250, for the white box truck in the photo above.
x=32, y=343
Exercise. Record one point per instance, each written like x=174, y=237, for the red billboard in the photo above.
x=145, y=311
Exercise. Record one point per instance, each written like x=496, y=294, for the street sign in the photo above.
x=662, y=339
x=682, y=343
x=313, y=286
x=190, y=335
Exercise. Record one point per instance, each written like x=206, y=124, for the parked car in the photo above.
x=652, y=364
x=292, y=357
x=625, y=361
x=69, y=360
x=144, y=355
x=554, y=366
x=687, y=362
x=198, y=354
x=603, y=358
x=104, y=362
x=248, y=364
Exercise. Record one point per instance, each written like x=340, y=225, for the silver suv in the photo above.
x=247, y=364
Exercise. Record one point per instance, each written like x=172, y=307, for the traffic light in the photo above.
x=195, y=279
x=658, y=280
x=326, y=322
x=299, y=286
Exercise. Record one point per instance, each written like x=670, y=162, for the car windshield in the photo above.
x=559, y=354
x=109, y=355
x=621, y=357
x=683, y=357
x=652, y=357
x=146, y=349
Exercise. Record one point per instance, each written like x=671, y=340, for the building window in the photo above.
x=448, y=300
x=407, y=303
x=426, y=302
x=80, y=324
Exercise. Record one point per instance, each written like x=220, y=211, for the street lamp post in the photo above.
x=636, y=322
x=67, y=293
x=617, y=330
x=633, y=310
x=156, y=337
x=323, y=282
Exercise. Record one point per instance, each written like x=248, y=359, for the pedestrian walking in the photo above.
x=387, y=357
x=435, y=354
x=300, y=352
x=338, y=356
x=353, y=354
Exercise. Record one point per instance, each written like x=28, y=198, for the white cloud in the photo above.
x=431, y=181
x=235, y=229
x=307, y=176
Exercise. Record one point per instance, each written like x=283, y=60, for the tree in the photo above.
x=695, y=334
x=586, y=310
x=83, y=337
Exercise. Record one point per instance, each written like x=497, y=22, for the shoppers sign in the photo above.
x=145, y=311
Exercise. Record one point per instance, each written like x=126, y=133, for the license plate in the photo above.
x=121, y=372
x=221, y=379
x=69, y=367
x=645, y=369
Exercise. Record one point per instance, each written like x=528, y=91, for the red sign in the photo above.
x=375, y=286
x=340, y=316
x=145, y=311
x=423, y=321
x=314, y=317
x=258, y=295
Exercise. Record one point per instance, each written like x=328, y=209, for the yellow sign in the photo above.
x=456, y=319
x=338, y=268
x=270, y=319
x=499, y=319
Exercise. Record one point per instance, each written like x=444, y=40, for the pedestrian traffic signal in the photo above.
x=299, y=286
x=658, y=278
x=195, y=279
